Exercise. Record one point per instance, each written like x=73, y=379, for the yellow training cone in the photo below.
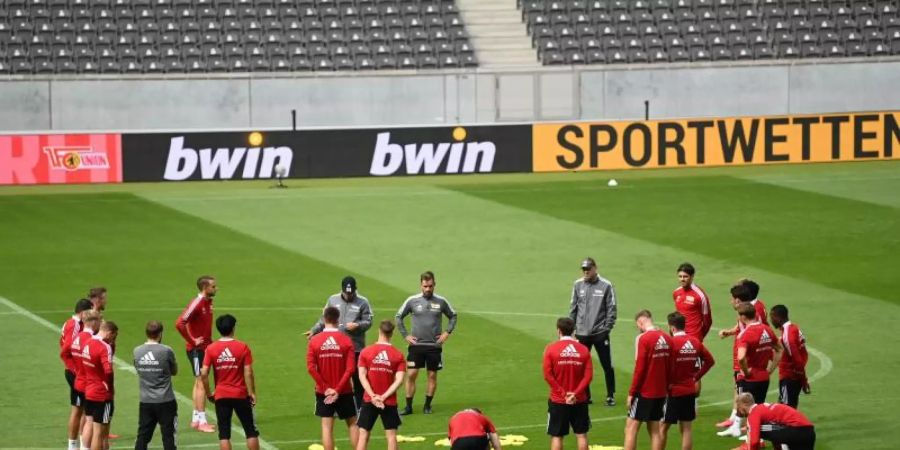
x=605, y=447
x=401, y=438
x=442, y=442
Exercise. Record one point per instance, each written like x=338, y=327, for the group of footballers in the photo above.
x=669, y=366
x=358, y=384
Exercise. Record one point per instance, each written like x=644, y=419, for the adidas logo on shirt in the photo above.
x=570, y=352
x=765, y=338
x=148, y=360
x=382, y=358
x=687, y=348
x=226, y=356
x=661, y=344
x=330, y=344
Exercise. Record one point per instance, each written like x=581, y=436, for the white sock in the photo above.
x=733, y=415
x=73, y=444
x=194, y=416
x=201, y=416
x=737, y=423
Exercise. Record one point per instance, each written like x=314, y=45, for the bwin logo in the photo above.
x=222, y=163
x=428, y=157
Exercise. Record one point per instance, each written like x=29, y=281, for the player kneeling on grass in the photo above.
x=230, y=361
x=650, y=383
x=690, y=360
x=470, y=429
x=331, y=361
x=568, y=370
x=97, y=358
x=381, y=370
x=780, y=424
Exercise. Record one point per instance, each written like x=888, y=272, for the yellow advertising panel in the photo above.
x=716, y=142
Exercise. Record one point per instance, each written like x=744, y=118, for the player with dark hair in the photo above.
x=470, y=429
x=690, y=361
x=792, y=367
x=70, y=331
x=381, y=368
x=99, y=391
x=355, y=319
x=780, y=424
x=231, y=363
x=426, y=341
x=195, y=325
x=650, y=383
x=692, y=302
x=568, y=370
x=745, y=291
x=330, y=361
x=593, y=308
x=155, y=365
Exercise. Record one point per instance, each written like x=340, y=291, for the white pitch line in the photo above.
x=122, y=365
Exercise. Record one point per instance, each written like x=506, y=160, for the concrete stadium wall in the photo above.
x=572, y=93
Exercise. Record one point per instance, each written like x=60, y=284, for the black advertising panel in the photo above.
x=327, y=153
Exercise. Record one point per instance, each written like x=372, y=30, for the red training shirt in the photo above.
x=469, y=423
x=196, y=321
x=693, y=303
x=793, y=361
x=226, y=359
x=761, y=316
x=652, y=366
x=769, y=414
x=568, y=368
x=381, y=361
x=70, y=329
x=330, y=360
x=759, y=340
x=76, y=349
x=690, y=361
x=97, y=361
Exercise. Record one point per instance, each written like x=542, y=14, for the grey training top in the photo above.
x=426, y=317
x=155, y=365
x=593, y=307
x=357, y=311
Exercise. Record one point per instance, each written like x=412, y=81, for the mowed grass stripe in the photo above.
x=848, y=245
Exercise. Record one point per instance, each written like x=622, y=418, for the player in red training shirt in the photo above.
x=690, y=361
x=759, y=352
x=470, y=429
x=70, y=331
x=381, y=370
x=90, y=322
x=792, y=367
x=693, y=303
x=568, y=370
x=331, y=362
x=231, y=363
x=650, y=383
x=745, y=291
x=779, y=424
x=195, y=325
x=99, y=385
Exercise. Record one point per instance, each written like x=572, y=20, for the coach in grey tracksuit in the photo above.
x=427, y=338
x=155, y=365
x=593, y=308
x=355, y=320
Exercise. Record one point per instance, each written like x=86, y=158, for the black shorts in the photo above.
x=795, y=438
x=195, y=359
x=681, y=409
x=425, y=356
x=244, y=410
x=561, y=416
x=344, y=407
x=101, y=412
x=75, y=398
x=647, y=409
x=471, y=443
x=789, y=392
x=368, y=414
x=755, y=388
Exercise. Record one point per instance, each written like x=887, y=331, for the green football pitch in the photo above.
x=823, y=239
